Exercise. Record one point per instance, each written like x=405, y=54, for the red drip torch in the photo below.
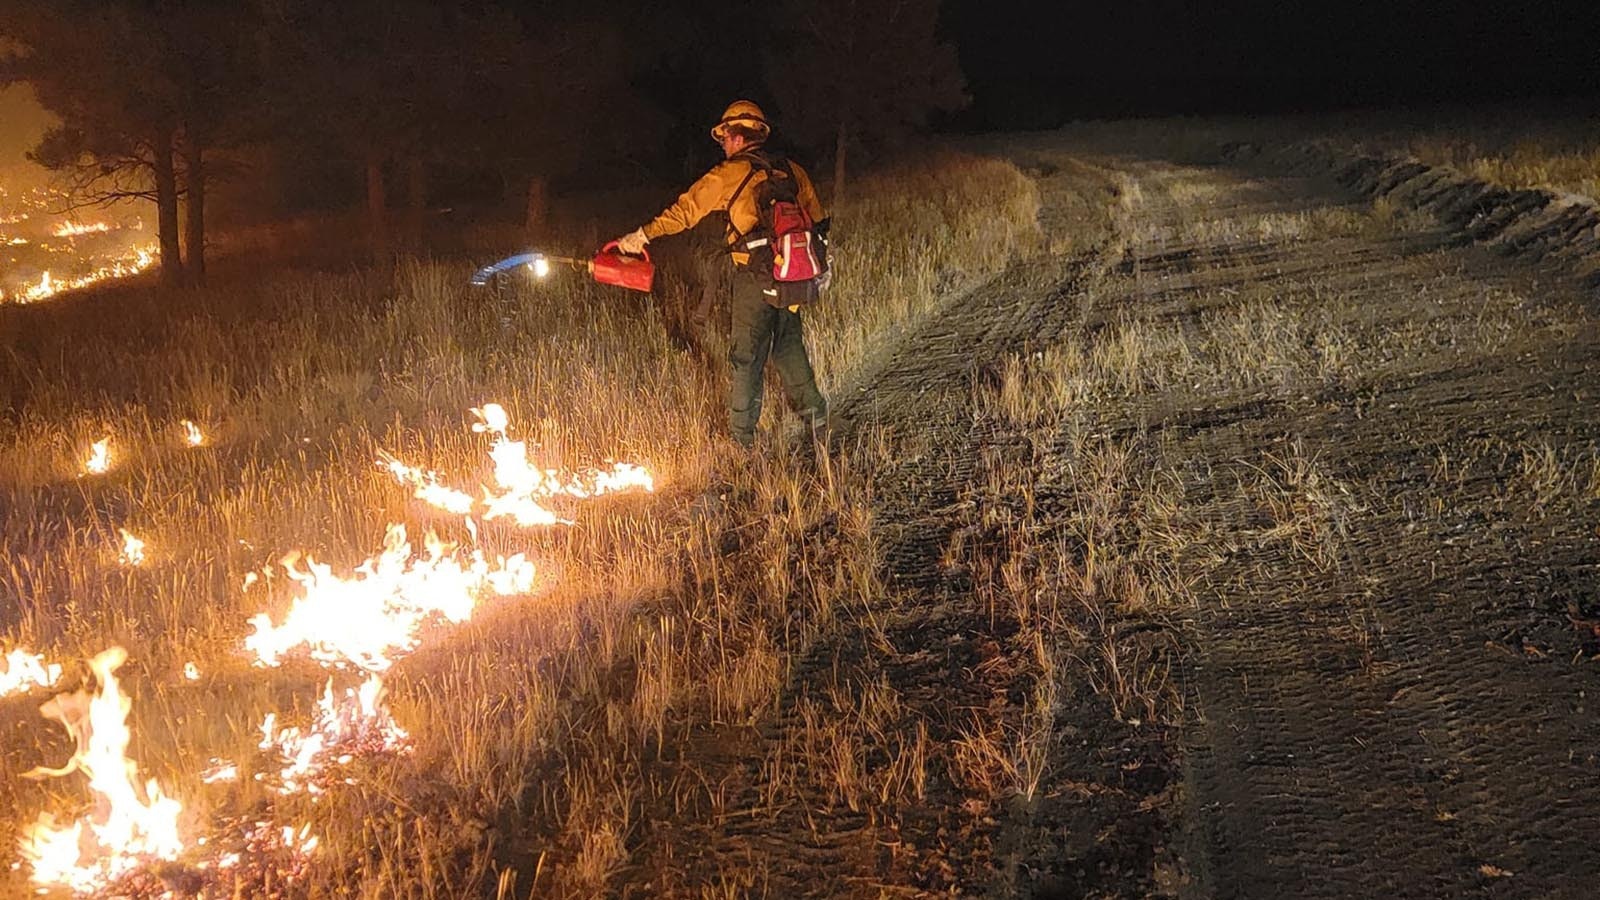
x=612, y=266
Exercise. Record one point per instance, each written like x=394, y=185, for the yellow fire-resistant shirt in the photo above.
x=713, y=192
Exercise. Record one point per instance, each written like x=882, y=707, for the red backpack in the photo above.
x=784, y=235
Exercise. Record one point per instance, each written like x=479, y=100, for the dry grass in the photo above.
x=535, y=725
x=1556, y=148
x=894, y=262
x=1561, y=160
x=1078, y=538
x=1305, y=508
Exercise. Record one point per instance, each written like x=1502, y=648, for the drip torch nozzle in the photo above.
x=536, y=262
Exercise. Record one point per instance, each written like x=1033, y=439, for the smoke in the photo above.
x=25, y=121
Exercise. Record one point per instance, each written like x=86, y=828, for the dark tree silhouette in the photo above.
x=859, y=72
x=401, y=87
x=360, y=74
x=566, y=106
x=215, y=67
x=96, y=66
x=142, y=88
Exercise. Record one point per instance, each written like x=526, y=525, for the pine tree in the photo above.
x=861, y=73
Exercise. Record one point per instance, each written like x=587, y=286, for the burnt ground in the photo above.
x=1374, y=680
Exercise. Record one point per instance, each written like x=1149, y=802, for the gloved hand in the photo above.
x=824, y=280
x=633, y=242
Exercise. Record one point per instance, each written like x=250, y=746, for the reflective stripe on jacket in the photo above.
x=713, y=191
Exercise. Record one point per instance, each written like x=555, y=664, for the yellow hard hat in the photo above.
x=741, y=112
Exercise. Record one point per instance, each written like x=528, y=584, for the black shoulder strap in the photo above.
x=757, y=162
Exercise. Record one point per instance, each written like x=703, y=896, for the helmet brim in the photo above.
x=720, y=130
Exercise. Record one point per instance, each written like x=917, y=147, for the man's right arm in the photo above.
x=707, y=195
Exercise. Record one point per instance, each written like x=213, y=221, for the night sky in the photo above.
x=1040, y=63
x=1032, y=63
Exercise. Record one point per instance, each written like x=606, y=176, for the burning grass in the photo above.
x=44, y=253
x=511, y=742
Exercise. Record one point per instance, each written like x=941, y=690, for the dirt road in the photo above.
x=1242, y=543
x=1388, y=671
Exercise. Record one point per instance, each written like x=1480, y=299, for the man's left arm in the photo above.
x=807, y=195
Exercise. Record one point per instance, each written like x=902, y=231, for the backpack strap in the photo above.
x=757, y=162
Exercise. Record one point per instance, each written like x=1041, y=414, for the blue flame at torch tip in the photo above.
x=482, y=276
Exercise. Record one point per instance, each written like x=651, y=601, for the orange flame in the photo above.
x=132, y=549
x=25, y=671
x=192, y=435
x=521, y=484
x=378, y=611
x=132, y=826
x=43, y=289
x=429, y=490
x=356, y=723
x=365, y=619
x=99, y=461
x=132, y=263
x=73, y=229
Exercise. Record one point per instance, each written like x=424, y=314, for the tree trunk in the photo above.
x=377, y=225
x=195, y=208
x=838, y=163
x=538, y=210
x=167, y=209
x=416, y=202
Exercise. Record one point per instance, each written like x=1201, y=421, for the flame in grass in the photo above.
x=132, y=825
x=45, y=288
x=192, y=435
x=99, y=461
x=133, y=828
x=519, y=478
x=346, y=726
x=132, y=263
x=132, y=549
x=25, y=671
x=74, y=229
x=377, y=611
x=521, y=487
x=428, y=488
x=364, y=619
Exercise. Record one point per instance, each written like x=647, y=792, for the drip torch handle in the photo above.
x=614, y=245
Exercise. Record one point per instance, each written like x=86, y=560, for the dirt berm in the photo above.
x=1534, y=223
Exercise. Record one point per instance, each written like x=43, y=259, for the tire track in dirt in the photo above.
x=1393, y=569
x=1388, y=669
x=933, y=647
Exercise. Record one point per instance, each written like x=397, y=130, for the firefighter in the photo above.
x=760, y=328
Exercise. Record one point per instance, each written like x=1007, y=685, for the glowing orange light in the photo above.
x=99, y=461
x=522, y=486
x=132, y=263
x=132, y=549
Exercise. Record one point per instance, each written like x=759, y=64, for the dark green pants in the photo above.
x=759, y=330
